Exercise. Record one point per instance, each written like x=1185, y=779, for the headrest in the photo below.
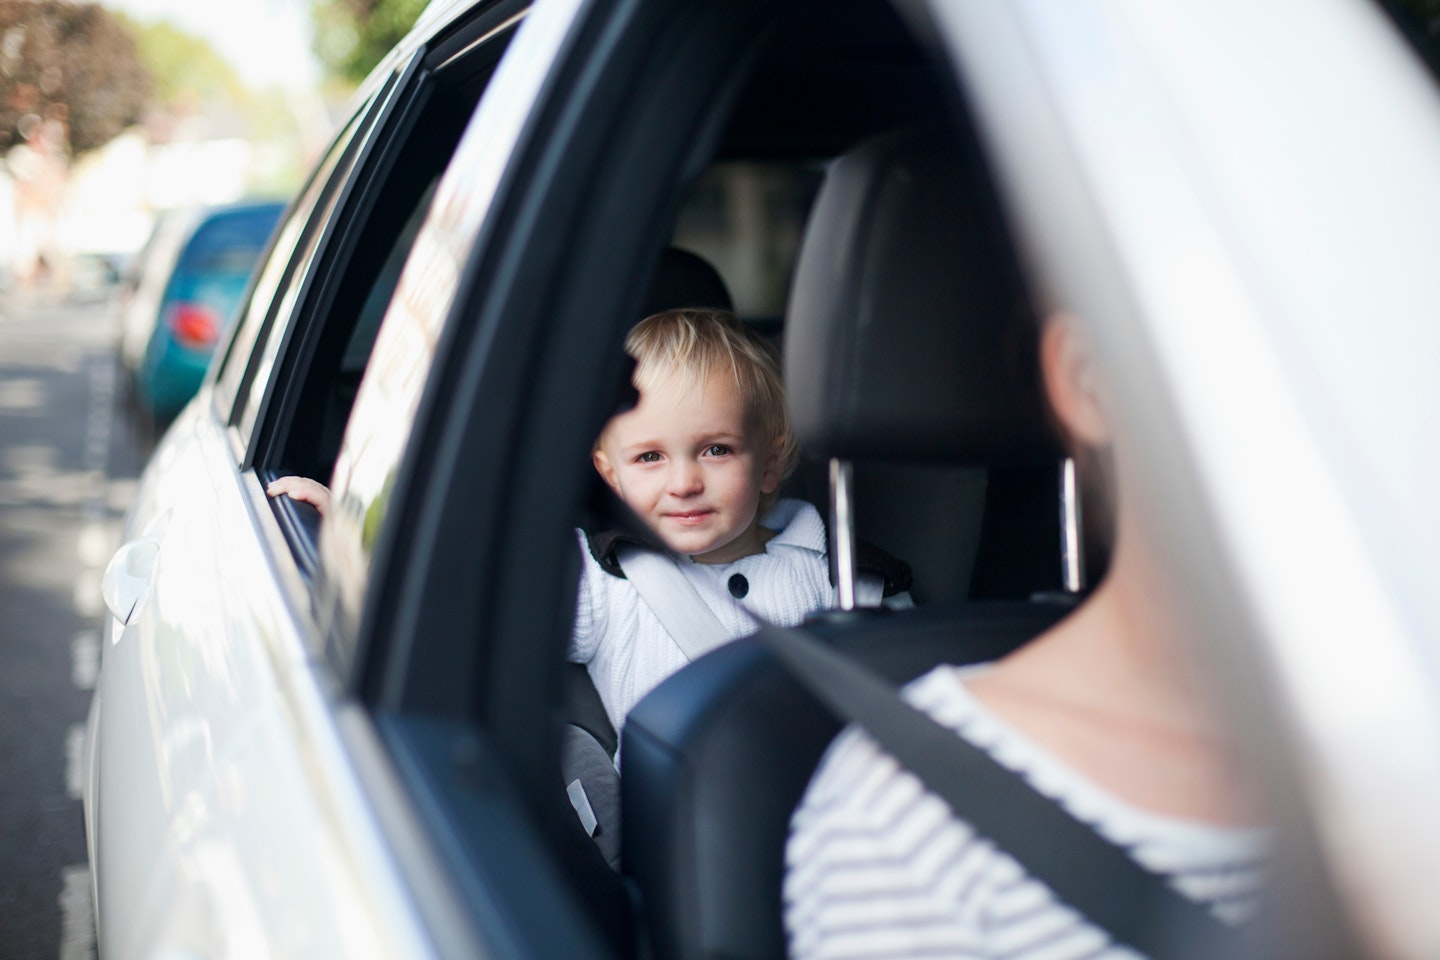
x=907, y=336
x=683, y=279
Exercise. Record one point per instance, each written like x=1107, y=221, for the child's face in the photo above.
x=689, y=462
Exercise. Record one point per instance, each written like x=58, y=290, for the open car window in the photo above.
x=311, y=367
x=279, y=269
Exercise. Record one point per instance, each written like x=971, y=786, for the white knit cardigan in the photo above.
x=627, y=650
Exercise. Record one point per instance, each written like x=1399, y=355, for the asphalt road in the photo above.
x=68, y=456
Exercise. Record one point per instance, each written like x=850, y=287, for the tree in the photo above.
x=352, y=36
x=183, y=67
x=69, y=74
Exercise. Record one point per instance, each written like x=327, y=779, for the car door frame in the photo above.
x=457, y=654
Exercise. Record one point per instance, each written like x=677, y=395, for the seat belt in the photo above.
x=673, y=599
x=1084, y=870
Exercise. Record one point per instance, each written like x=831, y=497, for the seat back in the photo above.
x=907, y=344
x=911, y=352
x=685, y=279
x=717, y=757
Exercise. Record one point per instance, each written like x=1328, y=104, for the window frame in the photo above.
x=297, y=303
x=234, y=374
x=272, y=358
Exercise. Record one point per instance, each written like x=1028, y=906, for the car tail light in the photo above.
x=195, y=325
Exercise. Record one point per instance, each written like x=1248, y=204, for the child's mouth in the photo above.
x=692, y=518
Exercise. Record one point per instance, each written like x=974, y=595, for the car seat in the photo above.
x=591, y=842
x=907, y=341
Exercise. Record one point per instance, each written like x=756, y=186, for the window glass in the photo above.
x=230, y=243
x=311, y=366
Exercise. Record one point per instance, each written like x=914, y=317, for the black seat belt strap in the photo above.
x=1101, y=880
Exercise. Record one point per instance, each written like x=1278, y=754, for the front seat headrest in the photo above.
x=908, y=337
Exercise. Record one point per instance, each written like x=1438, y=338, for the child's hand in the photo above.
x=303, y=489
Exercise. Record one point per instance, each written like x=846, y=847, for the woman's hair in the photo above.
x=693, y=344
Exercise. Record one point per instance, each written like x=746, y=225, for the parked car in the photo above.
x=183, y=290
x=342, y=738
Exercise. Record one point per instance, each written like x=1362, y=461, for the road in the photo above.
x=67, y=463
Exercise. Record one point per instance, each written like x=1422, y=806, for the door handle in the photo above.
x=127, y=578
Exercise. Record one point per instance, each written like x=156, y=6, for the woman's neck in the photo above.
x=1112, y=691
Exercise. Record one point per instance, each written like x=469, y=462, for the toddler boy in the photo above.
x=699, y=459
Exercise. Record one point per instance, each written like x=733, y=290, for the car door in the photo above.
x=224, y=819
x=172, y=694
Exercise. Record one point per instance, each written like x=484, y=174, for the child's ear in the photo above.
x=770, y=477
x=605, y=468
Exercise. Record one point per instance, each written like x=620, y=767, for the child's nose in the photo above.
x=685, y=478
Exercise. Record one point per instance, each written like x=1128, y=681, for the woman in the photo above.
x=1102, y=713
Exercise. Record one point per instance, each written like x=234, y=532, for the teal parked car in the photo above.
x=180, y=298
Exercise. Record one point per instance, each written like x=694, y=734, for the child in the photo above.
x=700, y=459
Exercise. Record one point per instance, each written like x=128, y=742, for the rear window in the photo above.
x=230, y=243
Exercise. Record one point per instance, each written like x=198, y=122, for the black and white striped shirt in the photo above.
x=879, y=867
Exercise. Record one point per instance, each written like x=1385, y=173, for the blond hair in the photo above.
x=693, y=344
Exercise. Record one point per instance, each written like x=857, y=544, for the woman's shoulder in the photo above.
x=945, y=695
x=869, y=832
x=855, y=758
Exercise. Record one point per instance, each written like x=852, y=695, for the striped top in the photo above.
x=879, y=867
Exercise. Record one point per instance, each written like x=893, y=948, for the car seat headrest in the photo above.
x=683, y=279
x=908, y=336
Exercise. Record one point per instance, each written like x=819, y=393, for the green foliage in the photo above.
x=185, y=68
x=352, y=36
x=68, y=72
x=192, y=79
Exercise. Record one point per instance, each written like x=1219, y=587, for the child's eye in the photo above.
x=649, y=456
x=718, y=450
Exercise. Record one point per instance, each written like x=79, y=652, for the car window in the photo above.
x=290, y=310
x=367, y=324
x=366, y=466
x=259, y=308
x=229, y=242
x=310, y=365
